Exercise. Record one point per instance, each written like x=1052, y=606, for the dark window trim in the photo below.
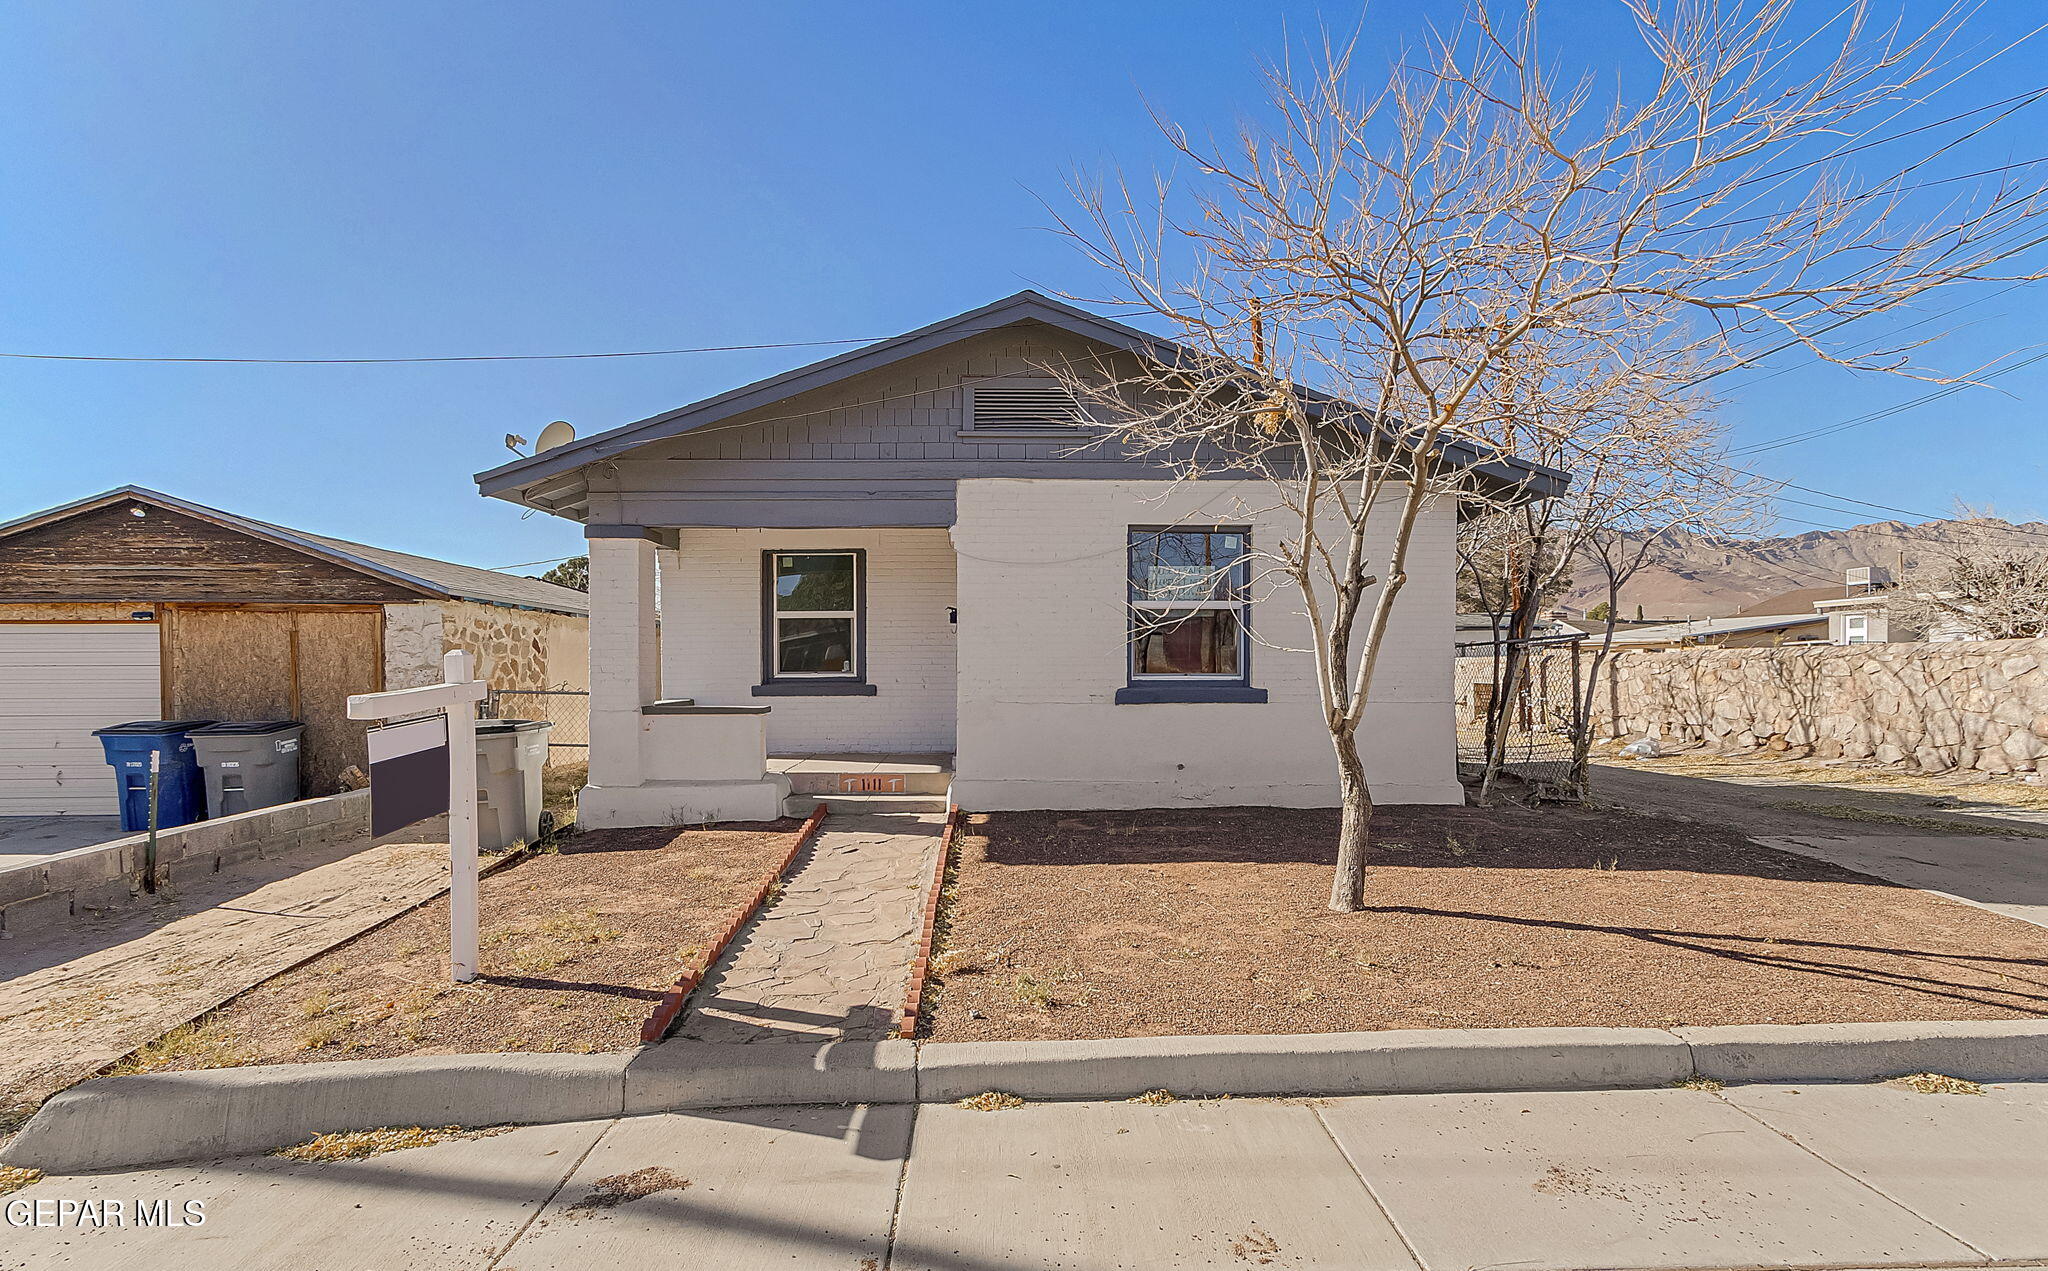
x=814, y=688
x=1152, y=689
x=1152, y=692
x=855, y=685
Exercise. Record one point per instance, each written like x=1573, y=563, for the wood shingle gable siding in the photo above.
x=110, y=554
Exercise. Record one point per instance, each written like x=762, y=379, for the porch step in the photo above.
x=890, y=781
x=852, y=804
x=865, y=774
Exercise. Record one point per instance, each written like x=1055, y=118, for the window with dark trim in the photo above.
x=813, y=619
x=1189, y=594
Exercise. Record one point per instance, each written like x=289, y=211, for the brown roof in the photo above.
x=1800, y=601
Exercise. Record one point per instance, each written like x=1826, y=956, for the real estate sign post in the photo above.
x=409, y=783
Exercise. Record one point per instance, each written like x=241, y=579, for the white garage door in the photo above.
x=58, y=682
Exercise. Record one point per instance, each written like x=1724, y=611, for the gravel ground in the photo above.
x=576, y=948
x=1147, y=923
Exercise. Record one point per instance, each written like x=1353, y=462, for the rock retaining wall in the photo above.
x=1969, y=704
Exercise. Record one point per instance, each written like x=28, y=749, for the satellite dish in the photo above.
x=559, y=433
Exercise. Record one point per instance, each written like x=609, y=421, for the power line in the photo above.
x=526, y=564
x=1859, y=421
x=475, y=357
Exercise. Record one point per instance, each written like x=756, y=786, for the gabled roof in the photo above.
x=434, y=578
x=524, y=480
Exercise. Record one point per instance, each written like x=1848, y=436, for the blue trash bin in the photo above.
x=180, y=787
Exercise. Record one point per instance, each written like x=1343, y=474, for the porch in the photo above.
x=741, y=674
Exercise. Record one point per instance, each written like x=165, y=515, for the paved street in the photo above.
x=1792, y=1176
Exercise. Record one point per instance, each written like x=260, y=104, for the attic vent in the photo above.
x=1021, y=405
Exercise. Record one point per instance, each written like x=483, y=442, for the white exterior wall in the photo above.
x=1043, y=634
x=711, y=637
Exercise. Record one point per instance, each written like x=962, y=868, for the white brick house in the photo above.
x=902, y=568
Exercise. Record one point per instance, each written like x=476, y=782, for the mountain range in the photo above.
x=1696, y=576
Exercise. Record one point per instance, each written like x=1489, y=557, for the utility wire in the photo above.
x=477, y=357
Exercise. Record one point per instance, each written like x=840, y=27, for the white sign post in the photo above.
x=456, y=697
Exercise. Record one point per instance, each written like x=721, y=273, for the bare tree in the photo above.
x=1357, y=284
x=1987, y=580
x=1674, y=479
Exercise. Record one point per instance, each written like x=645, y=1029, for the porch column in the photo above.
x=625, y=651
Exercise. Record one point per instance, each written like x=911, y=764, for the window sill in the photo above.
x=814, y=688
x=1149, y=694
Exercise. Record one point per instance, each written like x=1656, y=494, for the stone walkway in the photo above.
x=831, y=956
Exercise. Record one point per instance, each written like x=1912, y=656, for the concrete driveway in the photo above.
x=1778, y=1176
x=1995, y=858
x=26, y=839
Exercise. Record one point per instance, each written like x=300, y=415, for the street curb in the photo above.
x=670, y=1005
x=921, y=964
x=1405, y=1061
x=150, y=1118
x=1976, y=1050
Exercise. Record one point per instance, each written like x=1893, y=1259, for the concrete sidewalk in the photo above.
x=1782, y=1176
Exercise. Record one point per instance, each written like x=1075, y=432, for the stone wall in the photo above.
x=1975, y=704
x=519, y=648
x=514, y=648
x=89, y=881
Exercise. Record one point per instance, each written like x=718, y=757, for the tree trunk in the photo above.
x=1347, y=890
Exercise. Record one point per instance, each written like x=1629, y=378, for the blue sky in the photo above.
x=267, y=180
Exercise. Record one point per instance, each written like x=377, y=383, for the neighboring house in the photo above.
x=1868, y=615
x=135, y=605
x=922, y=547
x=1859, y=610
x=1754, y=631
x=1478, y=633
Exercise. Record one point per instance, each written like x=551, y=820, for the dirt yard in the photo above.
x=1081, y=925
x=577, y=946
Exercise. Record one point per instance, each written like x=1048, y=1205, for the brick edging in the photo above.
x=665, y=1012
x=921, y=965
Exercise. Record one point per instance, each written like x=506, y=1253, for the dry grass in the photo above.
x=558, y=786
x=990, y=1101
x=1155, y=1098
x=1935, y=1083
x=575, y=946
x=205, y=1043
x=1706, y=1085
x=1150, y=923
x=13, y=1178
x=352, y=1145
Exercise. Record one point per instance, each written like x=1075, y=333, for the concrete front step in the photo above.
x=883, y=781
x=852, y=804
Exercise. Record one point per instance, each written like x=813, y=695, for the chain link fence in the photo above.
x=567, y=709
x=1533, y=728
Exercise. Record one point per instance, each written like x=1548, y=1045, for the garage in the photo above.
x=58, y=682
